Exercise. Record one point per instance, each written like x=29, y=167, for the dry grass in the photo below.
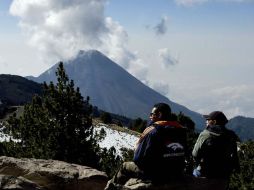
x=18, y=110
x=97, y=121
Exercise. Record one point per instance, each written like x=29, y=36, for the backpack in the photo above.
x=217, y=156
x=174, y=148
x=161, y=152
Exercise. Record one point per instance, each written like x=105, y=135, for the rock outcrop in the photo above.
x=17, y=183
x=186, y=183
x=35, y=174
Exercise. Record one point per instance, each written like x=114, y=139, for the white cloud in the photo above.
x=115, y=45
x=59, y=29
x=139, y=69
x=161, y=87
x=161, y=27
x=189, y=2
x=232, y=100
x=3, y=65
x=115, y=42
x=236, y=99
x=237, y=1
x=2, y=61
x=194, y=2
x=165, y=58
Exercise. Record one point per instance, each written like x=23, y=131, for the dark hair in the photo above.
x=164, y=109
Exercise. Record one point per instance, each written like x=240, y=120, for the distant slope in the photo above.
x=17, y=90
x=243, y=127
x=111, y=88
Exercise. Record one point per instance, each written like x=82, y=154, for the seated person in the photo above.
x=160, y=152
x=215, y=151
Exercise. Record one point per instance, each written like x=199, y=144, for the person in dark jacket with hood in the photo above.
x=160, y=152
x=215, y=151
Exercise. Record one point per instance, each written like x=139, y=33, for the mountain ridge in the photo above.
x=243, y=126
x=112, y=88
x=17, y=90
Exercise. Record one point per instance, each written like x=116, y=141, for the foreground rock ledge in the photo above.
x=185, y=183
x=34, y=174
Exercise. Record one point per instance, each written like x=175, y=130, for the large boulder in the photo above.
x=52, y=174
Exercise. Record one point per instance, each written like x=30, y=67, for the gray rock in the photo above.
x=54, y=175
x=17, y=183
x=186, y=183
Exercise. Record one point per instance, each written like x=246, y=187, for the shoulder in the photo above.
x=203, y=136
x=163, y=126
x=205, y=133
x=149, y=132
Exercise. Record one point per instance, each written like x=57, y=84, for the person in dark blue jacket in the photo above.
x=160, y=152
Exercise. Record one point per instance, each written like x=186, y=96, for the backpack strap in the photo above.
x=169, y=123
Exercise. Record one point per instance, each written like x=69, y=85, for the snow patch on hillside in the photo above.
x=117, y=139
x=114, y=138
x=5, y=137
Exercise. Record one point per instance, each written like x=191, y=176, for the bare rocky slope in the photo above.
x=112, y=88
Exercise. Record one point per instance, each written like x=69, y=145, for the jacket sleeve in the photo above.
x=197, y=150
x=147, y=150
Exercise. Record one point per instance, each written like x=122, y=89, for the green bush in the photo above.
x=244, y=180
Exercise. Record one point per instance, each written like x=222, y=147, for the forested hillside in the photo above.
x=243, y=126
x=17, y=90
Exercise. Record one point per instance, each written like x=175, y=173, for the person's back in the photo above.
x=218, y=152
x=161, y=153
x=215, y=150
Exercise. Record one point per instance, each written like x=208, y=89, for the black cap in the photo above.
x=218, y=116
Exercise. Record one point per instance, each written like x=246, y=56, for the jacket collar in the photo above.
x=216, y=128
x=168, y=123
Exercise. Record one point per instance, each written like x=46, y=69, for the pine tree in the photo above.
x=106, y=117
x=56, y=125
x=138, y=125
x=244, y=179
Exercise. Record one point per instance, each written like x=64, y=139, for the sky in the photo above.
x=198, y=53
